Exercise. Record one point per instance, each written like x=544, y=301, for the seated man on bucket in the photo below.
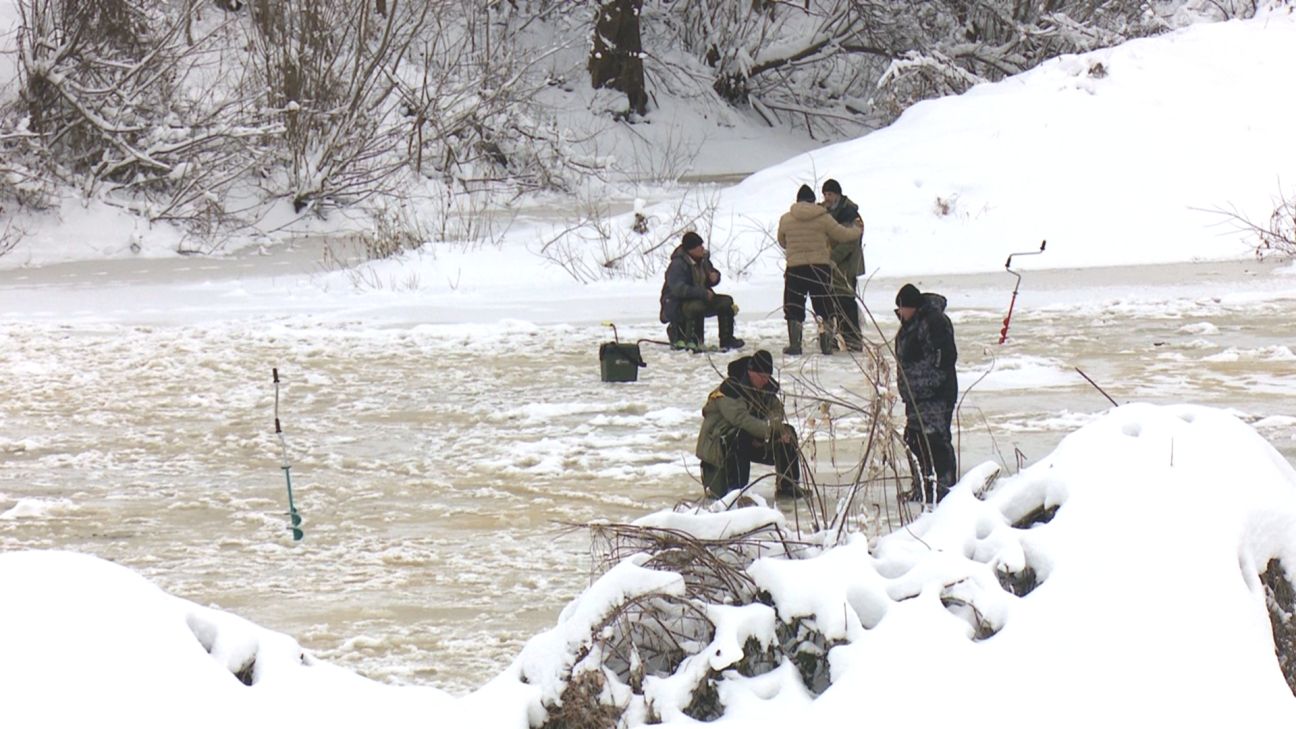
x=742, y=423
x=688, y=296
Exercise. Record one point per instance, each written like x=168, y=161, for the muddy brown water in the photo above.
x=438, y=467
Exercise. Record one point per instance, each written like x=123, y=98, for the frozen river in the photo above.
x=438, y=466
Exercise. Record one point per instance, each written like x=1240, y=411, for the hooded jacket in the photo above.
x=926, y=353
x=737, y=405
x=807, y=231
x=684, y=280
x=847, y=258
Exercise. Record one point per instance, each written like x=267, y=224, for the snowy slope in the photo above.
x=1115, y=157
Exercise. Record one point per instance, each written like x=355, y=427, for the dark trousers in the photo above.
x=802, y=281
x=741, y=451
x=847, y=311
x=928, y=435
x=693, y=314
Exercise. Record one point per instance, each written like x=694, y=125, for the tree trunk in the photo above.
x=616, y=56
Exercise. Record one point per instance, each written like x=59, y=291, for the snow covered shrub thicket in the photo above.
x=204, y=114
x=117, y=99
x=326, y=68
x=830, y=66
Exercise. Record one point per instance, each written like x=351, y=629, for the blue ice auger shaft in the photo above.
x=286, y=466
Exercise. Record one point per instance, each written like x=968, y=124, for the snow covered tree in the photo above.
x=329, y=70
x=947, y=46
x=111, y=106
x=811, y=63
x=470, y=106
x=831, y=63
x=616, y=55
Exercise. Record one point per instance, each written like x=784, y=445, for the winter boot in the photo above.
x=827, y=338
x=853, y=335
x=788, y=489
x=794, y=338
x=727, y=338
x=675, y=335
x=695, y=334
x=685, y=335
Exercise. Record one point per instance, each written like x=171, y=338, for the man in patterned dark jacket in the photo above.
x=926, y=355
x=688, y=297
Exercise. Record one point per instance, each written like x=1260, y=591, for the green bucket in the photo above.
x=620, y=362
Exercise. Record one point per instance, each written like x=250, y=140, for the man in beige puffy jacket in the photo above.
x=806, y=234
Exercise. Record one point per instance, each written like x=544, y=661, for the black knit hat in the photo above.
x=692, y=240
x=762, y=362
x=909, y=297
x=831, y=185
x=805, y=194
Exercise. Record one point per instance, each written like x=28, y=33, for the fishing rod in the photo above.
x=1003, y=333
x=287, y=467
x=616, y=339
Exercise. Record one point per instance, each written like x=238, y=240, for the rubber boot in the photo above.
x=827, y=338
x=727, y=338
x=684, y=335
x=852, y=334
x=794, y=338
x=788, y=489
x=689, y=335
x=675, y=335
x=697, y=333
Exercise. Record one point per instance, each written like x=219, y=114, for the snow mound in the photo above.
x=1138, y=563
x=84, y=639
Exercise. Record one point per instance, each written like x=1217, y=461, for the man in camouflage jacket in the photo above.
x=847, y=264
x=742, y=423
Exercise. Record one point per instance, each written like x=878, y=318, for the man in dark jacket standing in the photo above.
x=688, y=296
x=926, y=355
x=806, y=233
x=847, y=264
x=742, y=423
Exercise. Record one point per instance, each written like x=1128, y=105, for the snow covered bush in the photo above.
x=326, y=68
x=1277, y=235
x=845, y=64
x=471, y=98
x=113, y=104
x=1039, y=591
x=946, y=47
